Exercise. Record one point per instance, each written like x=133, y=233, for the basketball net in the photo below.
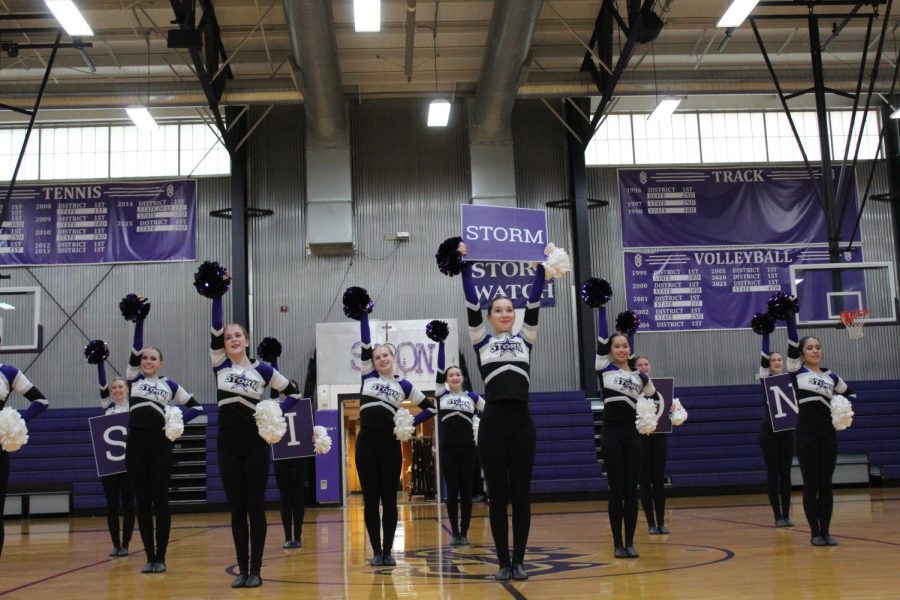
x=854, y=320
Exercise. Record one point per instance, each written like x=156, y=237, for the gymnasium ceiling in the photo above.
x=685, y=59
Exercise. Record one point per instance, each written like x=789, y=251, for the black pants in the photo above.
x=148, y=458
x=244, y=466
x=378, y=464
x=290, y=475
x=653, y=475
x=4, y=480
x=506, y=445
x=778, y=453
x=817, y=454
x=117, y=489
x=458, y=469
x=621, y=444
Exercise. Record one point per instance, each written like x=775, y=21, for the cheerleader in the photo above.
x=378, y=456
x=117, y=487
x=243, y=454
x=654, y=452
x=506, y=436
x=13, y=380
x=621, y=443
x=148, y=453
x=815, y=435
x=456, y=410
x=777, y=447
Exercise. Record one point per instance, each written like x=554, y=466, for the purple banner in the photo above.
x=297, y=442
x=501, y=233
x=666, y=388
x=781, y=401
x=109, y=435
x=674, y=208
x=694, y=290
x=111, y=222
x=510, y=279
x=328, y=466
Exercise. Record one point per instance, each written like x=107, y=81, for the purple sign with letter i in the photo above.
x=782, y=402
x=666, y=388
x=109, y=434
x=297, y=442
x=502, y=234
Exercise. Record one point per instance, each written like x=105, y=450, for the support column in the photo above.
x=239, y=267
x=892, y=154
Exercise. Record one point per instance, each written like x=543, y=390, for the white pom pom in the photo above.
x=322, y=440
x=403, y=425
x=558, y=263
x=174, y=426
x=270, y=421
x=13, y=430
x=678, y=415
x=476, y=422
x=841, y=412
x=645, y=420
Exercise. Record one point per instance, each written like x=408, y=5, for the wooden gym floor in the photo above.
x=719, y=547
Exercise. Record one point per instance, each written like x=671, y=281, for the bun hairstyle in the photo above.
x=495, y=299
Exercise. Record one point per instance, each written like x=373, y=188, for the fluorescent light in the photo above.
x=142, y=117
x=367, y=15
x=438, y=113
x=736, y=13
x=664, y=109
x=896, y=114
x=69, y=17
x=6, y=306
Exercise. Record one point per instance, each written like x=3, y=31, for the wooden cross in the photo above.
x=387, y=328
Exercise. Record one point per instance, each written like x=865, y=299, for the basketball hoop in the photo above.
x=854, y=320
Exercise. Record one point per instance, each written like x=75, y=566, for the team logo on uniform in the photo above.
x=385, y=390
x=506, y=346
x=153, y=391
x=240, y=381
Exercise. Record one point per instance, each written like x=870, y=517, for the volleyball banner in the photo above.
x=109, y=434
x=297, y=442
x=782, y=402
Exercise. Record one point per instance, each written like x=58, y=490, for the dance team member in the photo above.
x=654, y=453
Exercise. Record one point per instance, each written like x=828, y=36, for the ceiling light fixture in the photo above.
x=736, y=13
x=664, y=110
x=69, y=17
x=140, y=115
x=367, y=15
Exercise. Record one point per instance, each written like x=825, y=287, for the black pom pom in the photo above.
x=448, y=258
x=628, y=322
x=782, y=306
x=357, y=302
x=269, y=349
x=211, y=279
x=96, y=351
x=134, y=308
x=437, y=331
x=762, y=323
x=596, y=292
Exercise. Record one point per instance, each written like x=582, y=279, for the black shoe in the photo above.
x=454, y=540
x=123, y=551
x=463, y=540
x=663, y=530
x=831, y=540
x=620, y=552
x=253, y=581
x=159, y=566
x=818, y=540
x=518, y=572
x=631, y=552
x=788, y=523
x=388, y=560
x=239, y=581
x=296, y=544
x=654, y=530
x=148, y=568
x=376, y=561
x=287, y=544
x=780, y=523
x=503, y=574
x=114, y=552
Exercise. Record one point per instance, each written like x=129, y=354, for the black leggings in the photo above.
x=778, y=452
x=148, y=458
x=817, y=454
x=117, y=489
x=506, y=445
x=290, y=475
x=244, y=466
x=378, y=464
x=458, y=469
x=4, y=480
x=621, y=444
x=653, y=475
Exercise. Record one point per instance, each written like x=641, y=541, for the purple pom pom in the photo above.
x=211, y=279
x=134, y=308
x=357, y=303
x=269, y=349
x=782, y=306
x=96, y=351
x=762, y=323
x=628, y=322
x=437, y=331
x=448, y=258
x=596, y=292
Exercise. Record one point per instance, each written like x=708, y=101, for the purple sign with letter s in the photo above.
x=297, y=442
x=502, y=233
x=782, y=402
x=109, y=435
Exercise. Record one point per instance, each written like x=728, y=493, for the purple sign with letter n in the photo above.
x=666, y=388
x=109, y=435
x=782, y=402
x=501, y=233
x=297, y=442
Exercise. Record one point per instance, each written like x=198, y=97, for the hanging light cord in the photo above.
x=434, y=44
